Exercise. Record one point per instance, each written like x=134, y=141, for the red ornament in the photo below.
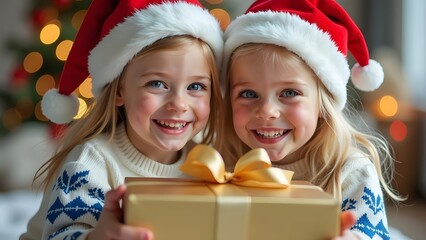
x=38, y=17
x=19, y=77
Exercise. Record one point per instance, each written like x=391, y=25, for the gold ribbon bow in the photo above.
x=253, y=169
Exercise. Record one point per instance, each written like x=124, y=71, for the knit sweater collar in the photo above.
x=134, y=160
x=299, y=168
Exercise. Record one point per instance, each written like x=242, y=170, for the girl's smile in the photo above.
x=171, y=126
x=270, y=136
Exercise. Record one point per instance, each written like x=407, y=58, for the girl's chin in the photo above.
x=275, y=157
x=278, y=156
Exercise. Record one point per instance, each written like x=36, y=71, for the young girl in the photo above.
x=286, y=75
x=153, y=65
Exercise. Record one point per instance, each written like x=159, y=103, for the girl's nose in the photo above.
x=177, y=103
x=267, y=111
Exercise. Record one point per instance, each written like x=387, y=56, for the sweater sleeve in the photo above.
x=362, y=194
x=77, y=197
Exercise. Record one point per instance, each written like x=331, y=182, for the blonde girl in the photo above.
x=155, y=80
x=285, y=91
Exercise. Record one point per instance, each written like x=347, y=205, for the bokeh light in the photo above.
x=398, y=131
x=85, y=88
x=38, y=113
x=49, y=34
x=33, y=62
x=44, y=83
x=63, y=49
x=222, y=16
x=388, y=106
x=81, y=109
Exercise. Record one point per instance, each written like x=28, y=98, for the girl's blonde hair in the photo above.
x=333, y=141
x=103, y=115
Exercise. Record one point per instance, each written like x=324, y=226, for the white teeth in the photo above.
x=270, y=134
x=177, y=125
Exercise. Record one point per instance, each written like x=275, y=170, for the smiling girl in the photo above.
x=155, y=81
x=286, y=73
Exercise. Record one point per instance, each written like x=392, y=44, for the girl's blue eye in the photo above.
x=290, y=93
x=196, y=87
x=156, y=84
x=248, y=94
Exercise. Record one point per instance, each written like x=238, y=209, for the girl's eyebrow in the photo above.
x=240, y=84
x=163, y=74
x=293, y=82
x=149, y=73
x=284, y=82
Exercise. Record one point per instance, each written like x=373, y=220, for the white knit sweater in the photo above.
x=361, y=193
x=73, y=204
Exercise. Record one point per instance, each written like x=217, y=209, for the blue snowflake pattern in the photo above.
x=69, y=184
x=97, y=193
x=58, y=232
x=364, y=225
x=376, y=204
x=73, y=236
x=74, y=209
x=348, y=204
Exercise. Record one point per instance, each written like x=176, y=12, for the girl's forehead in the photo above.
x=269, y=61
x=278, y=68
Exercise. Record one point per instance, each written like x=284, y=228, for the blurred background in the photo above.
x=35, y=39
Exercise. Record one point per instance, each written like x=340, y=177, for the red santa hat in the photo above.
x=112, y=33
x=319, y=31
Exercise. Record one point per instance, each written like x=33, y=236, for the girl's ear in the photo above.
x=119, y=101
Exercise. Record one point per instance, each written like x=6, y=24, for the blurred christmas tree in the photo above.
x=55, y=24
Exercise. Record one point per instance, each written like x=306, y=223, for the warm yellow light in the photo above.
x=63, y=49
x=44, y=83
x=49, y=34
x=77, y=19
x=38, y=113
x=388, y=106
x=214, y=1
x=222, y=16
x=85, y=88
x=33, y=62
x=81, y=109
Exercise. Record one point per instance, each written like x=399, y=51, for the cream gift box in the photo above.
x=196, y=210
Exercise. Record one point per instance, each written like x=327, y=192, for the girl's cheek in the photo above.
x=240, y=113
x=203, y=107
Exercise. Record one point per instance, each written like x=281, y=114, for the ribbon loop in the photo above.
x=253, y=169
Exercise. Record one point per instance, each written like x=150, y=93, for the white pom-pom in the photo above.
x=59, y=108
x=367, y=78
